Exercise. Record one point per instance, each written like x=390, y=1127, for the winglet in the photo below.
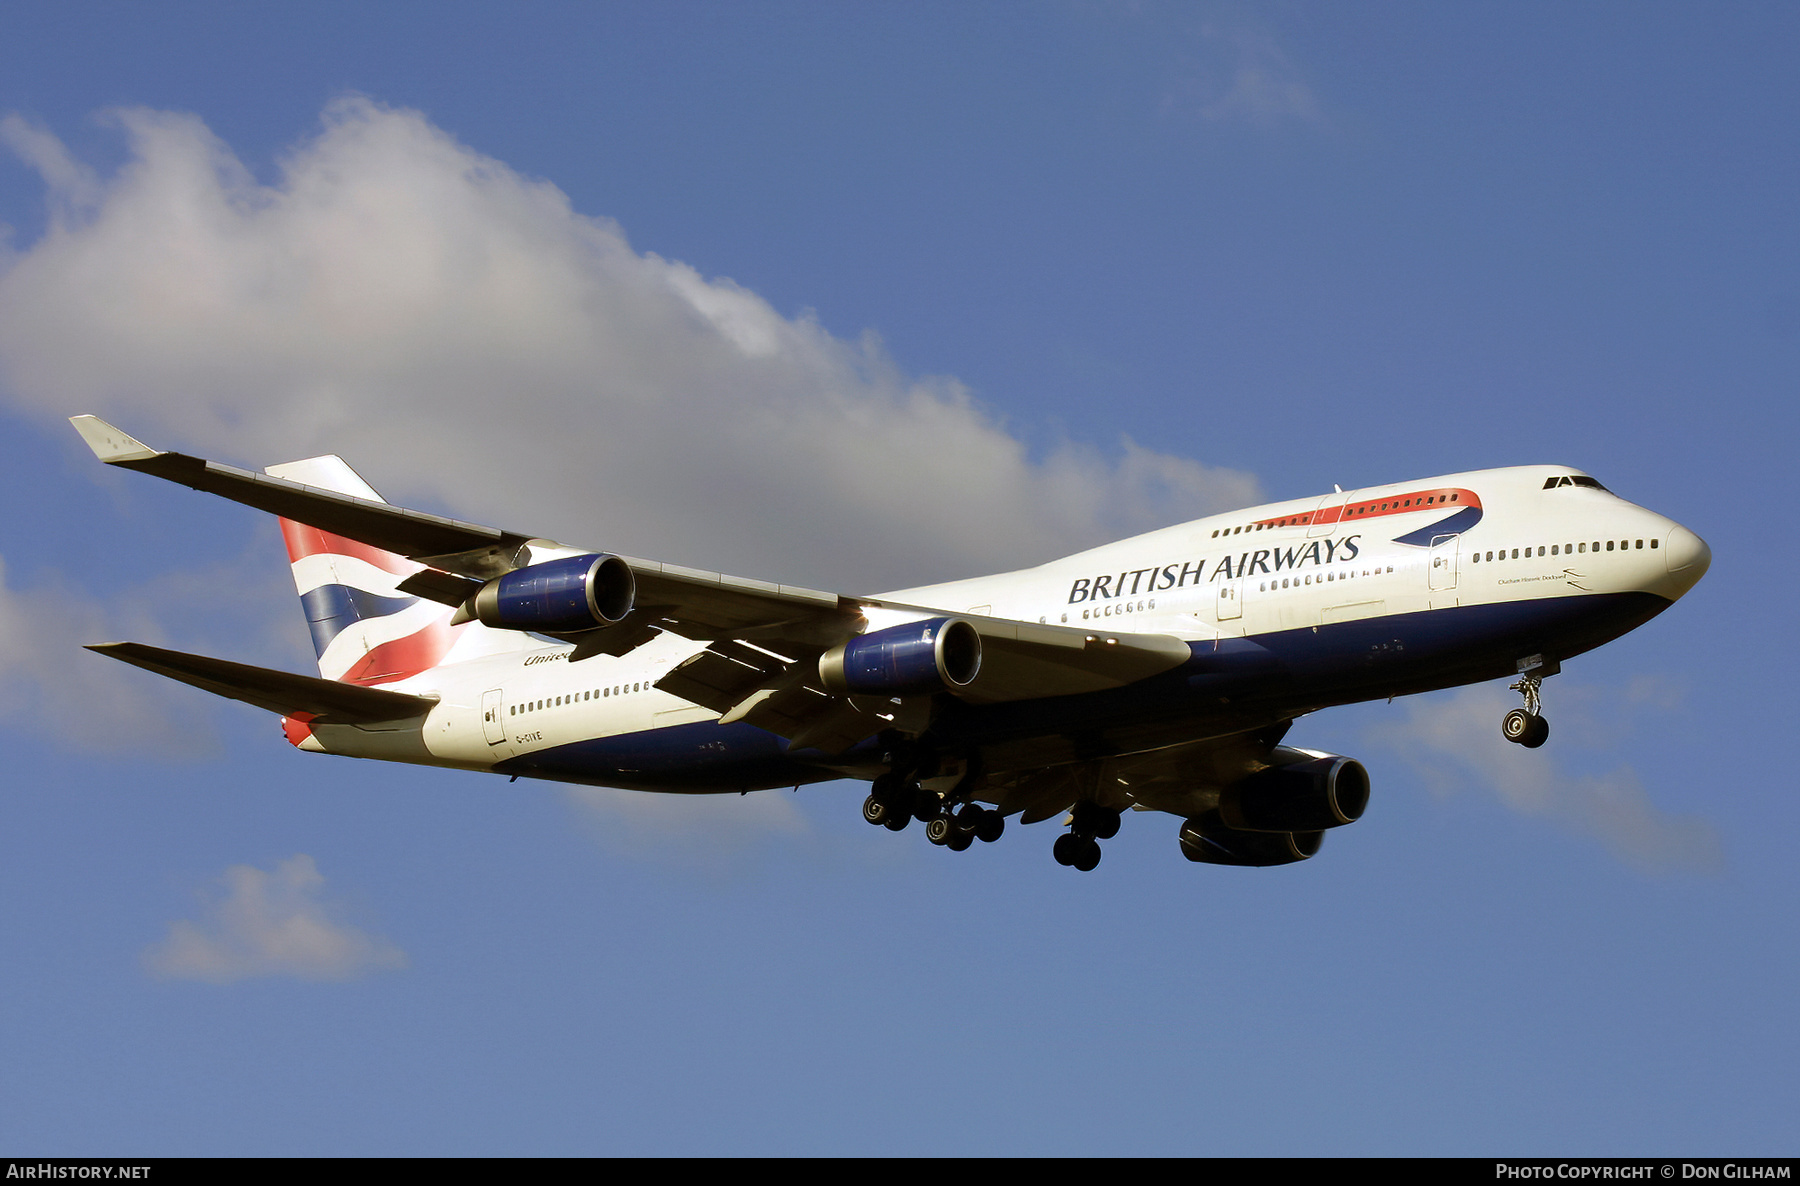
x=110, y=444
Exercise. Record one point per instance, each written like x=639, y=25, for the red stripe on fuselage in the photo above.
x=1375, y=508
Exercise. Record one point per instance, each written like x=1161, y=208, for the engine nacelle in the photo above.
x=1313, y=792
x=563, y=596
x=917, y=658
x=1205, y=840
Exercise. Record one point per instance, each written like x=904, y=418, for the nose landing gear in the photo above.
x=1526, y=726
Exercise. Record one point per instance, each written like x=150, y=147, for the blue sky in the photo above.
x=861, y=296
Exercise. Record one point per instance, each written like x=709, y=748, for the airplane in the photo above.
x=1161, y=673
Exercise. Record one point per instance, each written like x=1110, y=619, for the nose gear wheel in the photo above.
x=1526, y=726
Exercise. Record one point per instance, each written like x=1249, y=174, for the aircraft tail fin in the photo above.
x=365, y=630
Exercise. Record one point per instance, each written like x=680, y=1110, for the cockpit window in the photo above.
x=1573, y=480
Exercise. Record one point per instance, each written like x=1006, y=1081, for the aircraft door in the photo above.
x=493, y=717
x=1230, y=603
x=1327, y=514
x=1443, y=562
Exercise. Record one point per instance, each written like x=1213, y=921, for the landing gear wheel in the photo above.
x=876, y=810
x=989, y=828
x=940, y=829
x=1078, y=851
x=1525, y=728
x=1515, y=726
x=898, y=821
x=959, y=841
x=1537, y=734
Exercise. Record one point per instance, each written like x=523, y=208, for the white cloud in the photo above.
x=1238, y=76
x=59, y=691
x=49, y=684
x=465, y=338
x=1266, y=86
x=1453, y=740
x=270, y=924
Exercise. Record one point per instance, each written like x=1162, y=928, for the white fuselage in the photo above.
x=1306, y=563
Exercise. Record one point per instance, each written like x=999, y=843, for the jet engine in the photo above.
x=1209, y=842
x=565, y=596
x=1279, y=815
x=917, y=658
x=1303, y=792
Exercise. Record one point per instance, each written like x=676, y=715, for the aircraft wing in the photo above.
x=453, y=546
x=766, y=638
x=458, y=556
x=305, y=696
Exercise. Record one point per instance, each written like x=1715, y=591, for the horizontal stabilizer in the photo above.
x=306, y=696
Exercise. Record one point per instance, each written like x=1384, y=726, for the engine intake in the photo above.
x=917, y=658
x=565, y=596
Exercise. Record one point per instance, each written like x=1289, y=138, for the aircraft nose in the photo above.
x=1686, y=554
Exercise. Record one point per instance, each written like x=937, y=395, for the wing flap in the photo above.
x=321, y=700
x=809, y=717
x=721, y=676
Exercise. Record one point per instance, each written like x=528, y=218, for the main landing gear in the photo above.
x=1089, y=824
x=1525, y=726
x=896, y=800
